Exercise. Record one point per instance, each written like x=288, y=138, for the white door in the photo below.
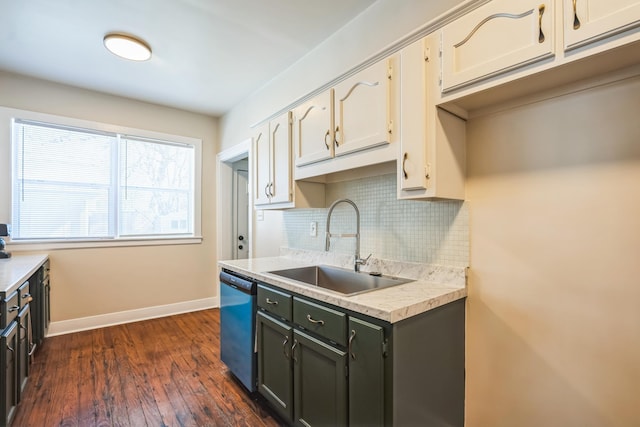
x=240, y=209
x=586, y=21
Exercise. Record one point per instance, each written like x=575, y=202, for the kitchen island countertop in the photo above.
x=433, y=287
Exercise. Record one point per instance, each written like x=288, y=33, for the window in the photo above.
x=73, y=183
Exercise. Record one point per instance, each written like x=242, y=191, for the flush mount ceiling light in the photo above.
x=127, y=47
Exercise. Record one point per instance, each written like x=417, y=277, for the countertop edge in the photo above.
x=16, y=270
x=392, y=304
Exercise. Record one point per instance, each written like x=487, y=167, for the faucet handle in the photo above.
x=363, y=261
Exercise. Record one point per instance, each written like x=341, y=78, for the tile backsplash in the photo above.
x=414, y=231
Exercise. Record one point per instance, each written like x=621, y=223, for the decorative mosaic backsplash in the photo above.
x=402, y=230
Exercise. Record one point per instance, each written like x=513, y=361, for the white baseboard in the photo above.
x=94, y=322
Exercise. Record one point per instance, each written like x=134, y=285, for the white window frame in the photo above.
x=7, y=115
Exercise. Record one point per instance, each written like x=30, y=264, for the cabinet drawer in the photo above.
x=24, y=295
x=328, y=323
x=276, y=302
x=9, y=309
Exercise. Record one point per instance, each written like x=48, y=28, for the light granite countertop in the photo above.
x=434, y=285
x=15, y=270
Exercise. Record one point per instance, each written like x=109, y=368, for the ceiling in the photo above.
x=208, y=55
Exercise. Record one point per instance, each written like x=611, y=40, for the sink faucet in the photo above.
x=358, y=261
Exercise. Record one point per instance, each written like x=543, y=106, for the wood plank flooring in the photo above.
x=159, y=372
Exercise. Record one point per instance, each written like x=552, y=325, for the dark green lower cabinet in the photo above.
x=320, y=382
x=366, y=373
x=409, y=373
x=275, y=375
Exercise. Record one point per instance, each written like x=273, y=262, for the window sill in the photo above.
x=18, y=246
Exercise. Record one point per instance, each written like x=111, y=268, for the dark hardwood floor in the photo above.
x=159, y=372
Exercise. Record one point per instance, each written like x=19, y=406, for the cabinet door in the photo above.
x=500, y=36
x=416, y=80
x=280, y=132
x=320, y=382
x=366, y=373
x=275, y=380
x=262, y=173
x=313, y=129
x=364, y=104
x=586, y=21
x=25, y=346
x=9, y=373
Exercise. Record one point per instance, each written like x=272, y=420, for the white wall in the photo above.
x=99, y=281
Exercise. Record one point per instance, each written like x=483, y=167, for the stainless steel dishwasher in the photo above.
x=238, y=326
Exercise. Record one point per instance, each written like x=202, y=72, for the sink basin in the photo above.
x=341, y=280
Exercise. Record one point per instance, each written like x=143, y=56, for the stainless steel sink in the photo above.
x=347, y=282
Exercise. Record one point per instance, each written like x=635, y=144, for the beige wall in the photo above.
x=553, y=329
x=89, y=282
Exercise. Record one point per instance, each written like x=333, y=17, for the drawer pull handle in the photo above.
x=14, y=308
x=270, y=301
x=404, y=160
x=312, y=320
x=284, y=346
x=540, y=13
x=351, y=337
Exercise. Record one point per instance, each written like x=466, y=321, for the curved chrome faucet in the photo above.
x=358, y=261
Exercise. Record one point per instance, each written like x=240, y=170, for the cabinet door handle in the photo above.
x=272, y=302
x=10, y=349
x=312, y=320
x=293, y=349
x=266, y=187
x=404, y=160
x=335, y=136
x=14, y=308
x=351, y=337
x=576, y=21
x=540, y=13
x=326, y=135
x=284, y=346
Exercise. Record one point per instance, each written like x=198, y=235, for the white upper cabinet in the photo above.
x=280, y=188
x=432, y=148
x=272, y=149
x=499, y=36
x=363, y=108
x=313, y=129
x=350, y=125
x=586, y=21
x=262, y=165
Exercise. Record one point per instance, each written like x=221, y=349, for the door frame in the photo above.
x=225, y=160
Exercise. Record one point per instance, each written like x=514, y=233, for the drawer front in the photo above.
x=24, y=295
x=10, y=308
x=328, y=323
x=276, y=302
